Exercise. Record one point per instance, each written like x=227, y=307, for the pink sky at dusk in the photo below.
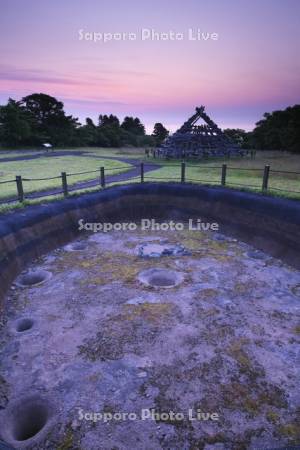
x=252, y=68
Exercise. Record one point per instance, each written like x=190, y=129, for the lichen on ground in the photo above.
x=223, y=341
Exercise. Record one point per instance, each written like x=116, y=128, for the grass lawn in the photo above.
x=241, y=172
x=52, y=167
x=127, y=152
x=5, y=154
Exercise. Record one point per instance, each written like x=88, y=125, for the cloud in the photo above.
x=95, y=101
x=10, y=73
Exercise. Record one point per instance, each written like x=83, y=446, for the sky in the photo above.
x=239, y=58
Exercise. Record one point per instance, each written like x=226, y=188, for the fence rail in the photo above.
x=182, y=177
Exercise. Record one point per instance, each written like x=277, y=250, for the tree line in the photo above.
x=40, y=118
x=279, y=130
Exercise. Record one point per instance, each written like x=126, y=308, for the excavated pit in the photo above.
x=160, y=278
x=167, y=321
x=26, y=421
x=29, y=421
x=76, y=246
x=24, y=325
x=33, y=278
x=296, y=290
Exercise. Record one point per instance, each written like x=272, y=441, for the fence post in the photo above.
x=20, y=188
x=102, y=177
x=64, y=183
x=142, y=172
x=223, y=176
x=183, y=172
x=266, y=178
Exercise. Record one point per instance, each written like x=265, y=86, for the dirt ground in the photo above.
x=213, y=357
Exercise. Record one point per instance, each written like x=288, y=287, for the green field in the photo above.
x=46, y=167
x=128, y=152
x=242, y=173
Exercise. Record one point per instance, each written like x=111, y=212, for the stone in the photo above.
x=150, y=250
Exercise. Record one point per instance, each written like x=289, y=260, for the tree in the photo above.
x=90, y=123
x=160, y=133
x=238, y=135
x=108, y=120
x=40, y=118
x=133, y=125
x=14, y=124
x=48, y=119
x=109, y=131
x=87, y=134
x=111, y=134
x=279, y=130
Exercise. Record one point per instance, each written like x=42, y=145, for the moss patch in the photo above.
x=208, y=293
x=152, y=312
x=130, y=331
x=292, y=431
x=67, y=442
x=296, y=330
x=272, y=416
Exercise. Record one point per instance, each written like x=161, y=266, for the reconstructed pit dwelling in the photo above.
x=112, y=325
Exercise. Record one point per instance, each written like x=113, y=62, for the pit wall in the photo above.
x=269, y=224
